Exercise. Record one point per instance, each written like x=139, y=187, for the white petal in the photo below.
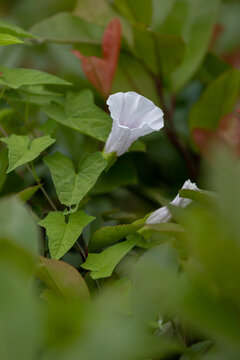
x=133, y=116
x=119, y=140
x=161, y=215
x=182, y=202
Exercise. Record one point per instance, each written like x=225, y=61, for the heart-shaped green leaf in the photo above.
x=72, y=186
x=21, y=150
x=62, y=235
x=80, y=113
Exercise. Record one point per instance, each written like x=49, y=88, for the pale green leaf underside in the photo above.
x=14, y=78
x=70, y=186
x=80, y=113
x=62, y=235
x=6, y=39
x=21, y=150
x=102, y=265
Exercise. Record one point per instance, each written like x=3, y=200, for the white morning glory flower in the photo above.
x=163, y=215
x=133, y=116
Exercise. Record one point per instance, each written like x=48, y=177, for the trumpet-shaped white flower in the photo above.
x=163, y=215
x=133, y=116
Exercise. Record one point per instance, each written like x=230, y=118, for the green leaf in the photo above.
x=138, y=146
x=161, y=9
x=135, y=11
x=101, y=15
x=194, y=21
x=6, y=39
x=14, y=78
x=148, y=282
x=72, y=186
x=17, y=225
x=203, y=196
x=80, y=113
x=132, y=75
x=20, y=315
x=212, y=67
x=164, y=52
x=196, y=350
x=109, y=235
x=68, y=28
x=6, y=28
x=3, y=166
x=34, y=94
x=217, y=101
x=21, y=150
x=61, y=235
x=27, y=193
x=168, y=228
x=102, y=265
x=63, y=280
x=5, y=113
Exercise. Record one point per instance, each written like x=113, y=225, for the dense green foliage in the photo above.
x=83, y=274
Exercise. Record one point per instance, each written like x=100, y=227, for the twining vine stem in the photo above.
x=41, y=187
x=172, y=134
x=169, y=126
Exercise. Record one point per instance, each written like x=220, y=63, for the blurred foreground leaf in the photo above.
x=17, y=225
x=62, y=280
